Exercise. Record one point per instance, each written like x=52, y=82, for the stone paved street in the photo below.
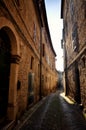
x=54, y=113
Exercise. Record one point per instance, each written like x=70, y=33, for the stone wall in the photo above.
x=25, y=19
x=74, y=34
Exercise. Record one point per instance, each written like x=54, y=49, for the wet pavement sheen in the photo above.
x=55, y=113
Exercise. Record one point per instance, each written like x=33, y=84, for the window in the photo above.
x=31, y=65
x=46, y=38
x=17, y=2
x=85, y=8
x=66, y=28
x=62, y=44
x=83, y=61
x=43, y=50
x=64, y=34
x=47, y=59
x=72, y=11
x=38, y=70
x=75, y=37
x=46, y=78
x=34, y=32
x=42, y=78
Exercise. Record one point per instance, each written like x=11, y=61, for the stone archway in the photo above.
x=7, y=27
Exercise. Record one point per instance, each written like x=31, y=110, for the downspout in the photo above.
x=40, y=89
x=40, y=86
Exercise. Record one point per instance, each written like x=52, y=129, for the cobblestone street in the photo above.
x=53, y=113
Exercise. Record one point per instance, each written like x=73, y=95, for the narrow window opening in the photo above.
x=83, y=62
x=75, y=44
x=32, y=59
x=38, y=70
x=34, y=32
x=17, y=3
x=43, y=53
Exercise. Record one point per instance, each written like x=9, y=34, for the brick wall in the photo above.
x=25, y=19
x=75, y=45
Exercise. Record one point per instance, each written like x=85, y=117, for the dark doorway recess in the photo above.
x=5, y=53
x=77, y=84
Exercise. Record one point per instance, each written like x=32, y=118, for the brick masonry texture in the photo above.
x=24, y=20
x=74, y=15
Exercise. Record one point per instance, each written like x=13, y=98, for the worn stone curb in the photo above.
x=28, y=114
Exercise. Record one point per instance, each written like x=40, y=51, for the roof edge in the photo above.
x=47, y=27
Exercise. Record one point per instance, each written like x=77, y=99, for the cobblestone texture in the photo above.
x=55, y=113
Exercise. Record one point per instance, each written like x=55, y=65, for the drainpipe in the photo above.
x=40, y=87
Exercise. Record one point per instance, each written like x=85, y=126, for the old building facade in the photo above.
x=73, y=13
x=27, y=57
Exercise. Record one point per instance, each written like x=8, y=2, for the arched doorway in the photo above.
x=11, y=47
x=5, y=54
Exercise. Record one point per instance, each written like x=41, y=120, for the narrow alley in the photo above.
x=35, y=64
x=53, y=113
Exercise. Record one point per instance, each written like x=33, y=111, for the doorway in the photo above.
x=30, y=88
x=77, y=85
x=5, y=53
